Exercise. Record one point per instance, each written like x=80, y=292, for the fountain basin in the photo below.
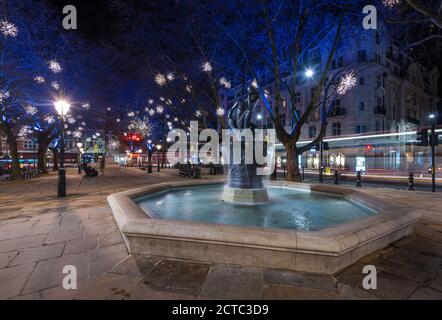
x=326, y=250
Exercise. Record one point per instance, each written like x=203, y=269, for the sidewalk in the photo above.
x=40, y=234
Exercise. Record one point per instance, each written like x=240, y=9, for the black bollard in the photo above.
x=321, y=174
x=336, y=177
x=359, y=179
x=411, y=182
x=303, y=174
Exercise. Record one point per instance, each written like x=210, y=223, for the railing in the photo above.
x=413, y=121
x=336, y=112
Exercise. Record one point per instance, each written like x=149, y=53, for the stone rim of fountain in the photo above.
x=325, y=251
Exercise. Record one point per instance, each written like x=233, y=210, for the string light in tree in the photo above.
x=71, y=120
x=206, y=67
x=24, y=131
x=49, y=119
x=160, y=109
x=55, y=85
x=223, y=82
x=347, y=82
x=160, y=79
x=31, y=110
x=8, y=29
x=55, y=66
x=170, y=76
x=39, y=79
x=391, y=3
x=4, y=95
x=140, y=126
x=220, y=112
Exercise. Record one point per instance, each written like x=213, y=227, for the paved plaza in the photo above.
x=41, y=234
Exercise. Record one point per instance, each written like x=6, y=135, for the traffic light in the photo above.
x=325, y=146
x=422, y=137
x=434, y=137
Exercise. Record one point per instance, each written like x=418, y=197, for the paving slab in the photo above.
x=436, y=283
x=137, y=265
x=6, y=257
x=110, y=287
x=299, y=279
x=178, y=276
x=49, y=273
x=109, y=239
x=225, y=282
x=81, y=245
x=21, y=243
x=62, y=235
x=38, y=254
x=145, y=292
x=393, y=287
x=104, y=259
x=423, y=262
x=13, y=279
x=281, y=292
x=425, y=293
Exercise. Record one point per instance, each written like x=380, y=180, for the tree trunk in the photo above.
x=15, y=164
x=13, y=149
x=293, y=173
x=41, y=156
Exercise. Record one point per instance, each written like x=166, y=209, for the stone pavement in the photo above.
x=40, y=235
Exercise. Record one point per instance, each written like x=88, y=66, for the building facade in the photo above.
x=393, y=94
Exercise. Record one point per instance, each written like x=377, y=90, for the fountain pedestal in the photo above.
x=244, y=187
x=245, y=196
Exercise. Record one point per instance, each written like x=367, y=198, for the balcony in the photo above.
x=380, y=110
x=336, y=112
x=413, y=120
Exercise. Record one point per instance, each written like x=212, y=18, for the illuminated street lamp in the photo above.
x=309, y=73
x=158, y=156
x=62, y=108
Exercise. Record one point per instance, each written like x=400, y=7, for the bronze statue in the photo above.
x=240, y=115
x=243, y=176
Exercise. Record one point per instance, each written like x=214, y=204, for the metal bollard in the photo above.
x=336, y=177
x=359, y=179
x=411, y=182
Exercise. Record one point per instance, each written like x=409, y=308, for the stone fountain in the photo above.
x=245, y=187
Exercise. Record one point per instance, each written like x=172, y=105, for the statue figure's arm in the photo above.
x=231, y=116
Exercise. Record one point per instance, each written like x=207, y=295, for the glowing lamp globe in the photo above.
x=62, y=107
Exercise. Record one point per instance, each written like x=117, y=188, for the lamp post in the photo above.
x=79, y=146
x=62, y=108
x=158, y=157
x=433, y=142
x=150, y=147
